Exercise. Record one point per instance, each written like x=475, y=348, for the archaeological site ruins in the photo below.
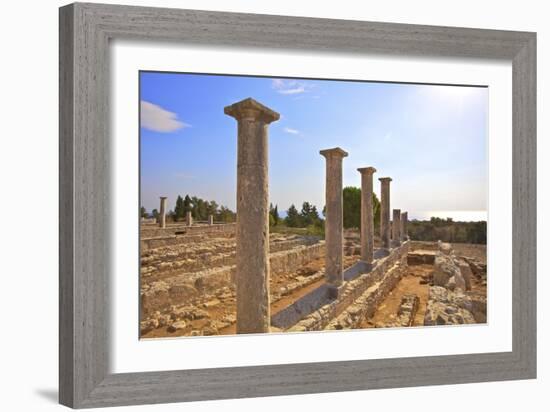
x=203, y=278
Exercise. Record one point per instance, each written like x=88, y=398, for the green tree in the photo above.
x=352, y=207
x=155, y=214
x=276, y=215
x=179, y=210
x=306, y=217
x=309, y=215
x=273, y=214
x=200, y=209
x=376, y=212
x=314, y=214
x=292, y=217
x=226, y=215
x=448, y=230
x=143, y=212
x=194, y=208
x=187, y=206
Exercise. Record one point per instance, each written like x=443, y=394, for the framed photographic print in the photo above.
x=257, y=205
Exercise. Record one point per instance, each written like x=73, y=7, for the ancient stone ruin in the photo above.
x=210, y=278
x=451, y=299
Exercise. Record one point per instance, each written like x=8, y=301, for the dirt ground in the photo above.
x=478, y=252
x=410, y=283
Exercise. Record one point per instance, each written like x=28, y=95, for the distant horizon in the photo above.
x=455, y=215
x=430, y=139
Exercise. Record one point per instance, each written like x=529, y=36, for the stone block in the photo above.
x=466, y=272
x=444, y=270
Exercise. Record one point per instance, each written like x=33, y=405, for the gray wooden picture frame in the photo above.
x=85, y=32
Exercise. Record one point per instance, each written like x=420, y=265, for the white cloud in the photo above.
x=289, y=87
x=296, y=90
x=157, y=119
x=277, y=83
x=291, y=131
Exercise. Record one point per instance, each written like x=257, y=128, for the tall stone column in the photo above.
x=162, y=213
x=252, y=271
x=189, y=218
x=385, y=211
x=334, y=223
x=404, y=228
x=367, y=218
x=396, y=228
x=210, y=220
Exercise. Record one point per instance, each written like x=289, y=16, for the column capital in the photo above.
x=334, y=152
x=251, y=109
x=366, y=170
x=385, y=179
x=163, y=197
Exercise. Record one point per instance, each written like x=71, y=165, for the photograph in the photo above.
x=269, y=206
x=275, y=204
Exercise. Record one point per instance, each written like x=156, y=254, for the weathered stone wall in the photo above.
x=276, y=245
x=405, y=314
x=478, y=269
x=165, y=261
x=173, y=240
x=160, y=295
x=173, y=229
x=446, y=307
x=371, y=287
x=290, y=260
x=421, y=257
x=407, y=310
x=365, y=305
x=447, y=273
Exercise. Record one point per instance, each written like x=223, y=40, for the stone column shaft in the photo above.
x=334, y=223
x=189, y=218
x=162, y=213
x=367, y=218
x=404, y=229
x=210, y=220
x=252, y=235
x=396, y=228
x=385, y=211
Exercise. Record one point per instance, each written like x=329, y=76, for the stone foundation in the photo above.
x=450, y=302
x=406, y=313
x=177, y=289
x=175, y=240
x=357, y=297
x=421, y=257
x=365, y=306
x=407, y=310
x=215, y=252
x=446, y=307
x=182, y=229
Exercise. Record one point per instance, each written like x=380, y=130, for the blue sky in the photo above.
x=430, y=139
